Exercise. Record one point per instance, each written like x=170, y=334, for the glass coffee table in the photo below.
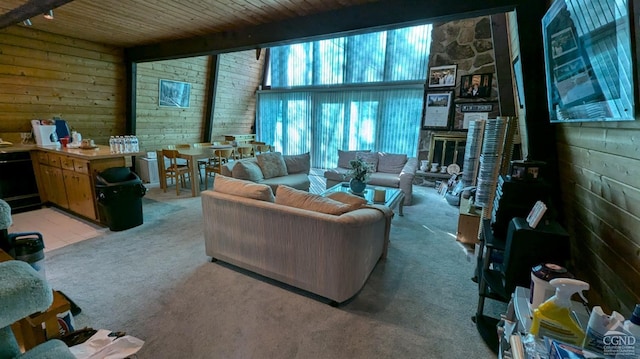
x=394, y=197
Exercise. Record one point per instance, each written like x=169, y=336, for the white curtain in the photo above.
x=357, y=92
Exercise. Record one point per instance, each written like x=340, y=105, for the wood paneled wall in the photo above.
x=235, y=105
x=234, y=111
x=157, y=126
x=600, y=181
x=44, y=75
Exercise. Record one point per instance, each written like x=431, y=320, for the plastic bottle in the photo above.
x=632, y=326
x=554, y=317
x=599, y=324
x=112, y=144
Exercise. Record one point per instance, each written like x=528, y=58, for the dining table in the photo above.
x=191, y=155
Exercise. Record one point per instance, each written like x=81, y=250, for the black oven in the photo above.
x=18, y=182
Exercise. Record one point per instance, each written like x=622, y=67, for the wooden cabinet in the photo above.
x=79, y=193
x=240, y=138
x=468, y=223
x=53, y=186
x=69, y=181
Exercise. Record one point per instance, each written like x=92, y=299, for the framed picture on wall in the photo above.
x=437, y=107
x=442, y=76
x=475, y=86
x=174, y=93
x=467, y=112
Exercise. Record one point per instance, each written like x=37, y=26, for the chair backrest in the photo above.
x=183, y=146
x=245, y=151
x=202, y=144
x=526, y=247
x=172, y=155
x=223, y=154
x=259, y=148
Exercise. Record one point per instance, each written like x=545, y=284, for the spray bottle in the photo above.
x=554, y=317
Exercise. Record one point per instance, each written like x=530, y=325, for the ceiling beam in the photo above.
x=345, y=21
x=28, y=10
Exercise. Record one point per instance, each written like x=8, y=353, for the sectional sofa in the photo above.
x=390, y=170
x=272, y=169
x=326, y=246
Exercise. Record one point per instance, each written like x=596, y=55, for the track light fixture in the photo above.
x=27, y=22
x=49, y=15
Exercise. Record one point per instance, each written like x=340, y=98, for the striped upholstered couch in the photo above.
x=330, y=255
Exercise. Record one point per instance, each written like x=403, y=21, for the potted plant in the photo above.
x=359, y=174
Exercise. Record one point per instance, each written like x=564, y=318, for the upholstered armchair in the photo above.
x=24, y=292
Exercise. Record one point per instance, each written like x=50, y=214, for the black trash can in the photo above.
x=29, y=247
x=120, y=193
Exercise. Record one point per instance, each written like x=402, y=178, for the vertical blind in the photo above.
x=357, y=92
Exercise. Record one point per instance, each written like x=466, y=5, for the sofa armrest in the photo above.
x=22, y=292
x=406, y=179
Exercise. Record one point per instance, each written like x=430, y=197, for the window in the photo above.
x=356, y=92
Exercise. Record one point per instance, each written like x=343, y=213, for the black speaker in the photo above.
x=526, y=247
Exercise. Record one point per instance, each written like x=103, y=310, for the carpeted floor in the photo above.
x=156, y=283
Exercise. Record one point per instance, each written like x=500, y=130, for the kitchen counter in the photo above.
x=88, y=154
x=100, y=151
x=66, y=177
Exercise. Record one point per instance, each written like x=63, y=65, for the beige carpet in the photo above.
x=155, y=282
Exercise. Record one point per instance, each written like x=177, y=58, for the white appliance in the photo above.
x=147, y=169
x=45, y=134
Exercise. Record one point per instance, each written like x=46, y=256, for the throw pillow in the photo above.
x=371, y=158
x=345, y=156
x=292, y=197
x=247, y=170
x=391, y=162
x=272, y=164
x=354, y=202
x=298, y=163
x=242, y=188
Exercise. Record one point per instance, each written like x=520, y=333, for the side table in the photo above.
x=468, y=223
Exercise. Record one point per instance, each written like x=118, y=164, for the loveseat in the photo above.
x=324, y=246
x=273, y=169
x=390, y=170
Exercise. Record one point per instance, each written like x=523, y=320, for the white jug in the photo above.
x=76, y=137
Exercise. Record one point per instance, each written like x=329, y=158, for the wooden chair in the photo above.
x=203, y=161
x=244, y=152
x=175, y=171
x=220, y=157
x=260, y=148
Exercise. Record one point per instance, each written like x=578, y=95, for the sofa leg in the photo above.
x=213, y=260
x=334, y=304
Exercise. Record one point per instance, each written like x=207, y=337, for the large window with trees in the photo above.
x=356, y=92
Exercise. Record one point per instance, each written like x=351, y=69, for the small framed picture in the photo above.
x=174, y=93
x=464, y=113
x=563, y=42
x=437, y=107
x=442, y=76
x=478, y=85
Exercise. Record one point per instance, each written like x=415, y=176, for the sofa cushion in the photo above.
x=292, y=197
x=242, y=188
x=384, y=179
x=298, y=163
x=336, y=174
x=354, y=202
x=272, y=164
x=247, y=170
x=297, y=180
x=391, y=162
x=370, y=157
x=345, y=156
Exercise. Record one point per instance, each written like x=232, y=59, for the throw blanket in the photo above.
x=388, y=216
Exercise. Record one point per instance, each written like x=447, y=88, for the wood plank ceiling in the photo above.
x=143, y=22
